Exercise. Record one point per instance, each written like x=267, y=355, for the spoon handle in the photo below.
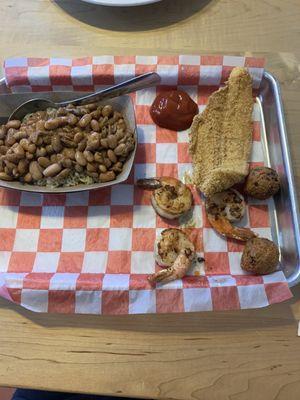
x=129, y=86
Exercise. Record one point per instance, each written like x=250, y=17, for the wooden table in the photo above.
x=209, y=356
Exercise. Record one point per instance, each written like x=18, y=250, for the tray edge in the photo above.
x=294, y=279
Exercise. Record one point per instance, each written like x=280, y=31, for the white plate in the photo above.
x=120, y=3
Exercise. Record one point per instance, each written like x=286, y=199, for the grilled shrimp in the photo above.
x=224, y=208
x=175, y=251
x=170, y=198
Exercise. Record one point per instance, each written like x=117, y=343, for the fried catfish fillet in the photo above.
x=221, y=136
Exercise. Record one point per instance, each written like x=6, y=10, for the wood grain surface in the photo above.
x=244, y=355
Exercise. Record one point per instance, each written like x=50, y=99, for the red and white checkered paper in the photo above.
x=91, y=252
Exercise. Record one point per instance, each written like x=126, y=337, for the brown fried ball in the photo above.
x=262, y=183
x=260, y=256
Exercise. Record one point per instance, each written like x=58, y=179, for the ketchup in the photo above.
x=173, y=110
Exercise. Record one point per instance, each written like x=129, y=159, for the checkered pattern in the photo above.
x=91, y=252
x=89, y=73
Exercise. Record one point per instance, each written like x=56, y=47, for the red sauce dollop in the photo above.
x=173, y=110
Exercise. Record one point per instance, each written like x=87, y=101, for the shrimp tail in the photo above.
x=149, y=183
x=177, y=271
x=164, y=276
x=225, y=228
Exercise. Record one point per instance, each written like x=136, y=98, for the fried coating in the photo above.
x=262, y=183
x=260, y=256
x=221, y=136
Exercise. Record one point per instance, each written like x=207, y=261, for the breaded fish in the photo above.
x=221, y=136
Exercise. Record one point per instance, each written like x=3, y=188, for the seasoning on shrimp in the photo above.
x=175, y=251
x=170, y=198
x=224, y=208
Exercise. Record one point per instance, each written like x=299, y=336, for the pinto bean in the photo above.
x=80, y=159
x=56, y=143
x=92, y=144
x=28, y=177
x=20, y=135
x=31, y=148
x=95, y=125
x=35, y=170
x=88, y=155
x=19, y=151
x=41, y=152
x=29, y=156
x=102, y=168
x=81, y=145
x=11, y=157
x=52, y=123
x=14, y=123
x=62, y=111
x=91, y=167
x=112, y=141
x=72, y=119
x=44, y=162
x=119, y=150
x=107, y=162
x=96, y=114
x=10, y=140
x=33, y=137
x=53, y=158
x=118, y=167
x=107, y=111
x=78, y=137
x=111, y=155
x=39, y=141
x=120, y=133
x=9, y=165
x=52, y=170
x=91, y=106
x=69, y=153
x=49, y=149
x=107, y=176
x=59, y=157
x=121, y=124
x=85, y=120
x=3, y=149
x=24, y=143
x=23, y=166
x=103, y=121
x=104, y=143
x=40, y=126
x=67, y=162
x=63, y=174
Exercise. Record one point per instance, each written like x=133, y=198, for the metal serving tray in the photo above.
x=284, y=216
x=285, y=221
